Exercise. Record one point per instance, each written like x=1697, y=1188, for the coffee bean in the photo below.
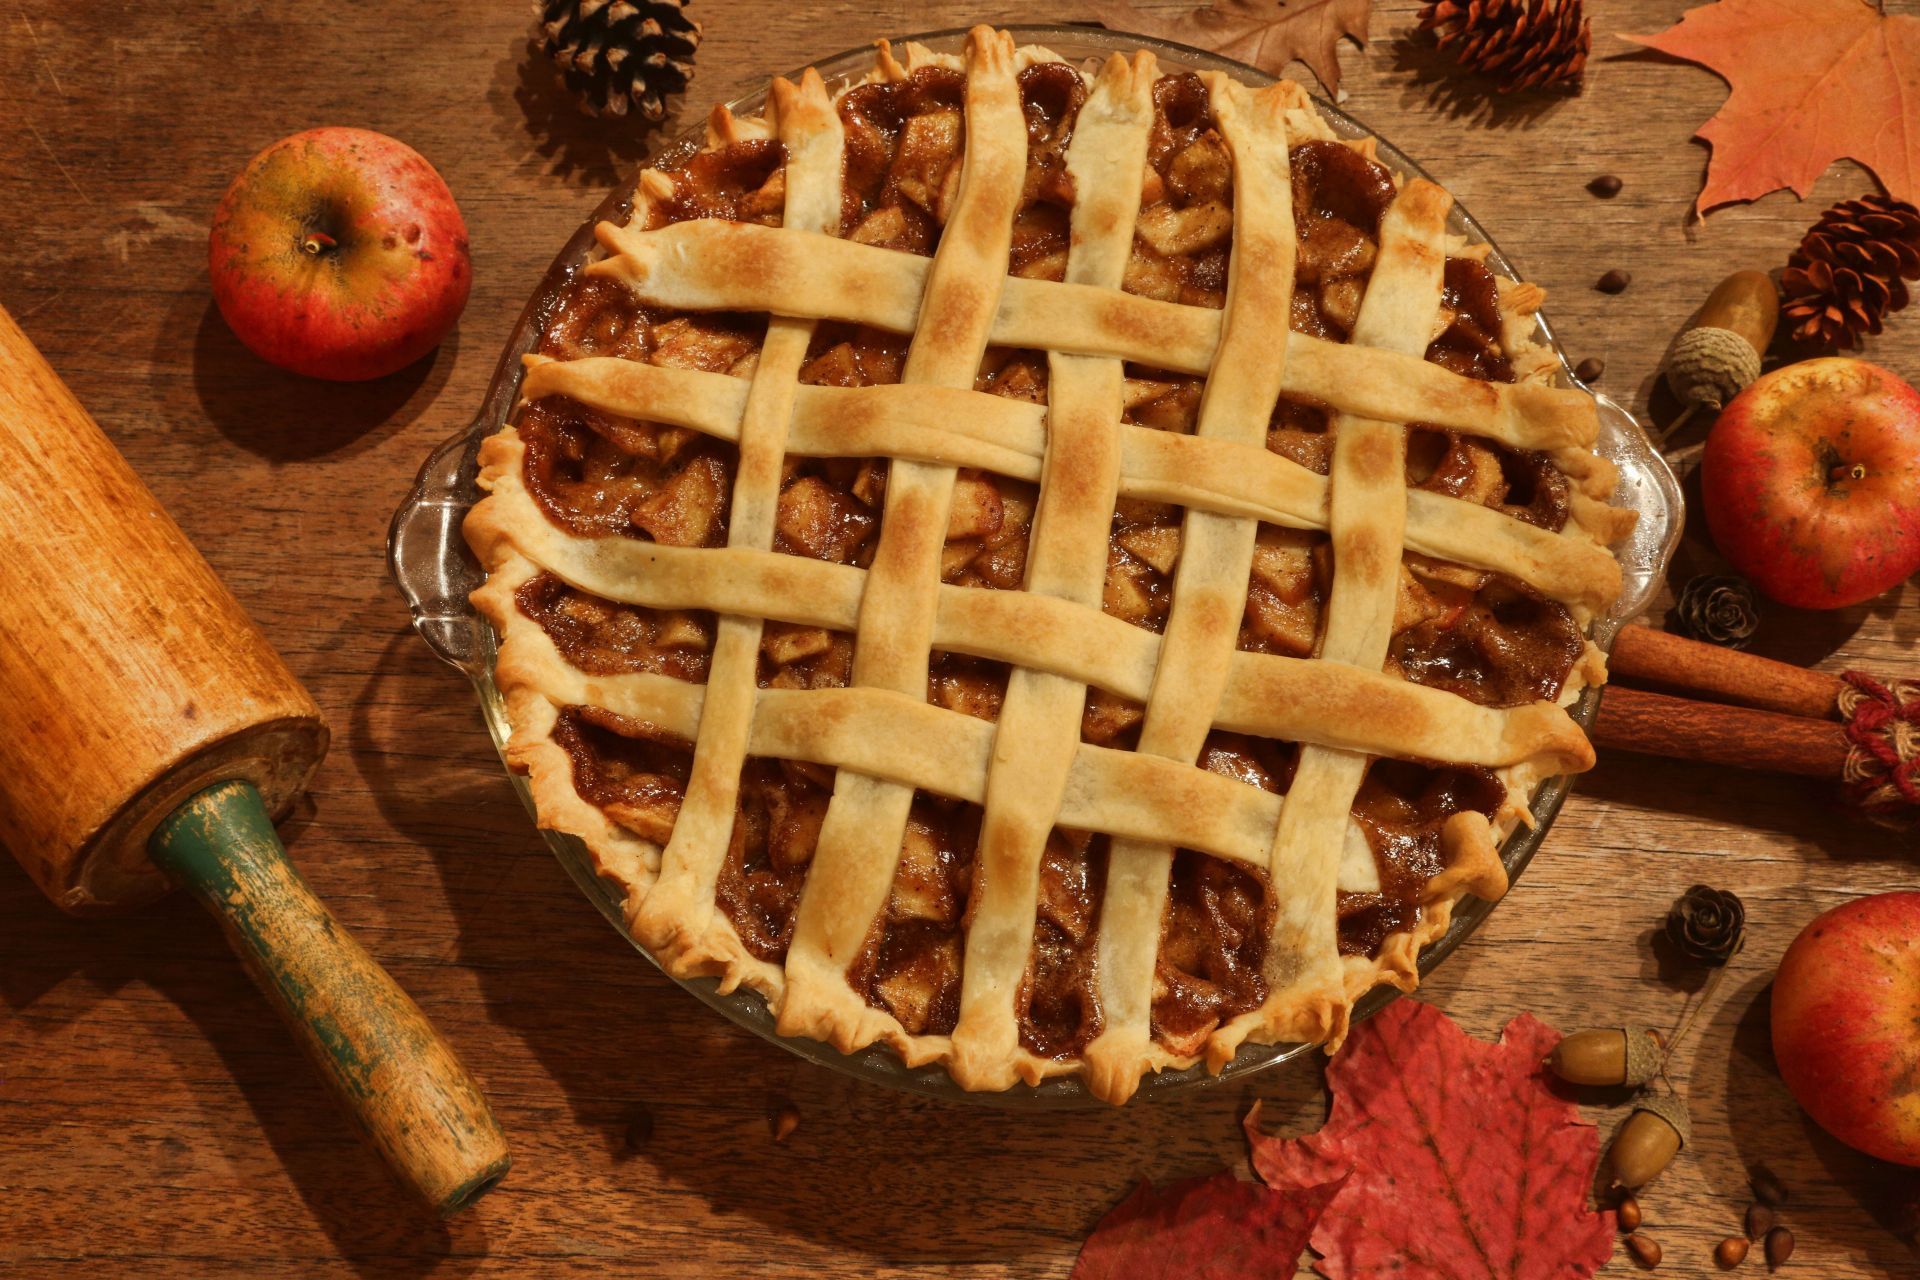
x=1606, y=186
x=1614, y=281
x=1590, y=369
x=782, y=1118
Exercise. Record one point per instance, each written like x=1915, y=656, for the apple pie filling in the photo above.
x=1480, y=635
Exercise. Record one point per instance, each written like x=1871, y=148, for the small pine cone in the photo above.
x=1851, y=270
x=619, y=55
x=1718, y=608
x=1708, y=925
x=1517, y=44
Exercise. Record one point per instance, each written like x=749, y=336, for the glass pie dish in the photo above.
x=435, y=571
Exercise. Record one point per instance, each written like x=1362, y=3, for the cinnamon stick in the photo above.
x=1655, y=724
x=1646, y=656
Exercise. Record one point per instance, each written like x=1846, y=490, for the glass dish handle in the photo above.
x=1646, y=485
x=429, y=557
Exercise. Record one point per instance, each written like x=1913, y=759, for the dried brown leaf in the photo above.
x=1265, y=33
x=1812, y=81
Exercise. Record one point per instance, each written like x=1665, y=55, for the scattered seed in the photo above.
x=1590, y=369
x=1628, y=1214
x=784, y=1119
x=1645, y=1250
x=1779, y=1247
x=1614, y=281
x=639, y=1130
x=1606, y=186
x=1759, y=1221
x=1730, y=1252
x=1767, y=1187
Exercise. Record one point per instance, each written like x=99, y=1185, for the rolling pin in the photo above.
x=151, y=738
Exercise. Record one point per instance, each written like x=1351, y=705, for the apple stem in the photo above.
x=317, y=242
x=1853, y=471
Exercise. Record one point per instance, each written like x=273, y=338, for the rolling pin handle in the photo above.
x=382, y=1058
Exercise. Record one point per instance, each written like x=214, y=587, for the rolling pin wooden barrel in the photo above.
x=151, y=737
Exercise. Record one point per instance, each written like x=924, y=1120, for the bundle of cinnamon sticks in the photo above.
x=1703, y=702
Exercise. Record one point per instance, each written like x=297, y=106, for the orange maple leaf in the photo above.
x=1813, y=81
x=1262, y=32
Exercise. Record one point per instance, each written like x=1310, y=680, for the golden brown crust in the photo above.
x=1030, y=770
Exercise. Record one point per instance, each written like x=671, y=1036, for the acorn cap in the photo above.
x=1670, y=1107
x=1711, y=366
x=1643, y=1058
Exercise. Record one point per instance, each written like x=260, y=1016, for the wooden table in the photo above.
x=154, y=1121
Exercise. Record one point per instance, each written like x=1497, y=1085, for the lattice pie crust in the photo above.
x=986, y=360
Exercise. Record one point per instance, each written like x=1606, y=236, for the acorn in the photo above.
x=1719, y=351
x=1647, y=1143
x=1607, y=1055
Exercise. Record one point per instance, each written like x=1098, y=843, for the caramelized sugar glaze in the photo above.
x=1480, y=635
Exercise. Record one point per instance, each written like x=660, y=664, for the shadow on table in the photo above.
x=375, y=1226
x=1825, y=1179
x=282, y=416
x=1435, y=84
x=176, y=950
x=534, y=111
x=680, y=1098
x=1806, y=809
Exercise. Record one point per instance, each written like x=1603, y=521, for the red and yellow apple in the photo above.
x=1811, y=480
x=1846, y=1024
x=339, y=253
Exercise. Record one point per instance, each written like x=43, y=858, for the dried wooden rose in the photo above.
x=1718, y=608
x=1707, y=924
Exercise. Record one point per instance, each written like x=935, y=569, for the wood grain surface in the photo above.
x=155, y=1120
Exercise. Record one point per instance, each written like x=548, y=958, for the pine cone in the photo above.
x=619, y=55
x=1707, y=924
x=1718, y=608
x=1850, y=271
x=1518, y=44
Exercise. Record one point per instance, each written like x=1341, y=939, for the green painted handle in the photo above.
x=399, y=1081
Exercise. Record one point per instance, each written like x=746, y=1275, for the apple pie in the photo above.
x=1048, y=568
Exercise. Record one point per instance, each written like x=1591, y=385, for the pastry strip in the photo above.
x=890, y=736
x=993, y=433
x=679, y=919
x=708, y=265
x=1038, y=734
x=1216, y=560
x=1367, y=523
x=1271, y=695
x=847, y=886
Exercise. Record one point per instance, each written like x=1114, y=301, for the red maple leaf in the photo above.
x=1464, y=1164
x=1213, y=1227
x=1267, y=33
x=1813, y=81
